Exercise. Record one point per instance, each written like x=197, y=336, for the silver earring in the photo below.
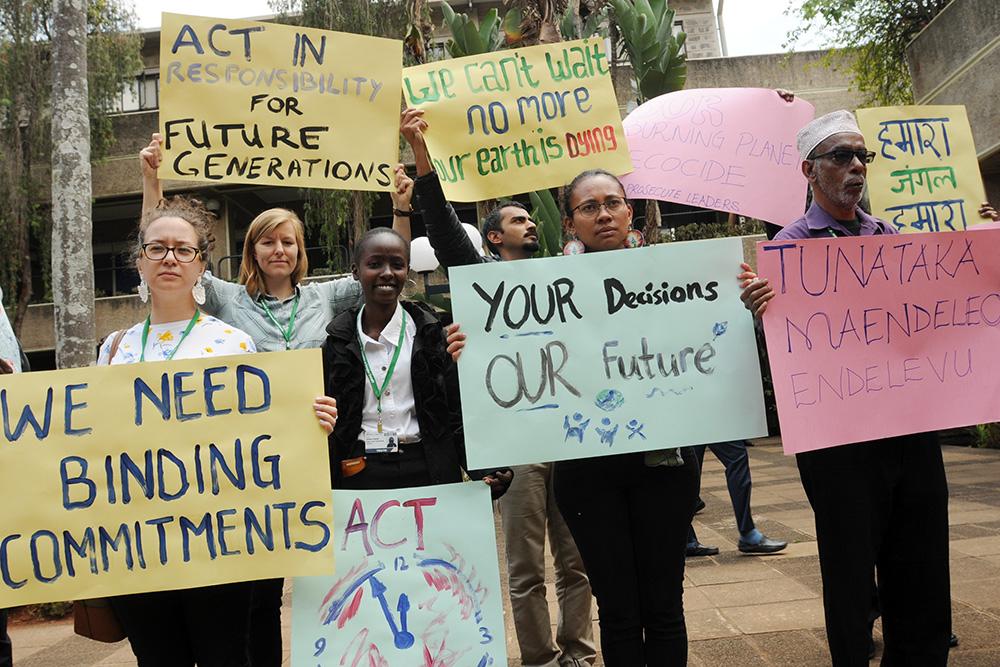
x=198, y=292
x=143, y=289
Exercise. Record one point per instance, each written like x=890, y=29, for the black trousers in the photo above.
x=265, y=623
x=6, y=655
x=734, y=458
x=205, y=626
x=882, y=507
x=405, y=468
x=630, y=524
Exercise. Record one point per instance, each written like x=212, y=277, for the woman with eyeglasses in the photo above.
x=628, y=513
x=279, y=312
x=208, y=626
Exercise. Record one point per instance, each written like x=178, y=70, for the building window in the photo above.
x=678, y=29
x=114, y=274
x=142, y=94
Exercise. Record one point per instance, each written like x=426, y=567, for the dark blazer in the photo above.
x=435, y=389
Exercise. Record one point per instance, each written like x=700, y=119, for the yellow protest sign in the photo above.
x=521, y=120
x=925, y=177
x=249, y=102
x=155, y=476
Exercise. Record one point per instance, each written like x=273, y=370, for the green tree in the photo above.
x=870, y=37
x=26, y=27
x=646, y=32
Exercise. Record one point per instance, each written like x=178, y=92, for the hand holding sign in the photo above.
x=207, y=476
x=592, y=355
x=516, y=121
x=266, y=103
x=926, y=177
x=728, y=149
x=908, y=325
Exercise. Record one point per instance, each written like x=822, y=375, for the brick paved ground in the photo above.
x=741, y=610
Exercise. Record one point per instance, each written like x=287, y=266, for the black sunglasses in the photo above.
x=844, y=156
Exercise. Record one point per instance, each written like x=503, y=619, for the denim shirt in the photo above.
x=319, y=303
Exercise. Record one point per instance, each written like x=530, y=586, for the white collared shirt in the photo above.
x=398, y=406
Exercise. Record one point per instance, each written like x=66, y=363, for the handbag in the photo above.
x=95, y=619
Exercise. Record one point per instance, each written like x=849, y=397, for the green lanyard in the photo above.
x=285, y=333
x=379, y=391
x=145, y=336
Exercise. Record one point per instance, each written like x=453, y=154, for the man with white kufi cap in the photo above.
x=881, y=505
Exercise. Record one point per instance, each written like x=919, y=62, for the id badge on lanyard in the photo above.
x=382, y=441
x=386, y=442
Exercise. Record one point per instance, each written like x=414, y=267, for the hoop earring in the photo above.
x=574, y=246
x=143, y=289
x=634, y=239
x=198, y=292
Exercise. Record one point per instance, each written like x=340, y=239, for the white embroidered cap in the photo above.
x=813, y=134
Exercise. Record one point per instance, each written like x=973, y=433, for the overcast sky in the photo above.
x=751, y=26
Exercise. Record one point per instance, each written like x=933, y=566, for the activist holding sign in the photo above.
x=387, y=365
x=208, y=625
x=880, y=505
x=279, y=313
x=628, y=513
x=529, y=508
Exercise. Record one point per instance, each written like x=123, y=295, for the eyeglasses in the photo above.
x=156, y=252
x=591, y=209
x=844, y=156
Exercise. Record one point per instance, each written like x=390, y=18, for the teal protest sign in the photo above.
x=600, y=354
x=417, y=583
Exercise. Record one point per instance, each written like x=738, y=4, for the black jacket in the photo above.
x=451, y=244
x=435, y=389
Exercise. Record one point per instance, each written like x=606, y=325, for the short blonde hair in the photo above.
x=265, y=223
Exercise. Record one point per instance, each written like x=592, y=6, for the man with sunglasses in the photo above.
x=880, y=506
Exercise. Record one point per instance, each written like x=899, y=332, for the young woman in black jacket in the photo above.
x=387, y=365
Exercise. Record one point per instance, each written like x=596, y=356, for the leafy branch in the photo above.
x=870, y=37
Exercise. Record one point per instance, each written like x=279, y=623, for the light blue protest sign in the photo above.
x=417, y=583
x=600, y=354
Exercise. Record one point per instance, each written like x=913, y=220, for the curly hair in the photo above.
x=187, y=209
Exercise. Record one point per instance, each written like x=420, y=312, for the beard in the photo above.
x=530, y=246
x=837, y=193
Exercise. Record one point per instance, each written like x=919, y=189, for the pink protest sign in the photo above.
x=728, y=149
x=876, y=336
